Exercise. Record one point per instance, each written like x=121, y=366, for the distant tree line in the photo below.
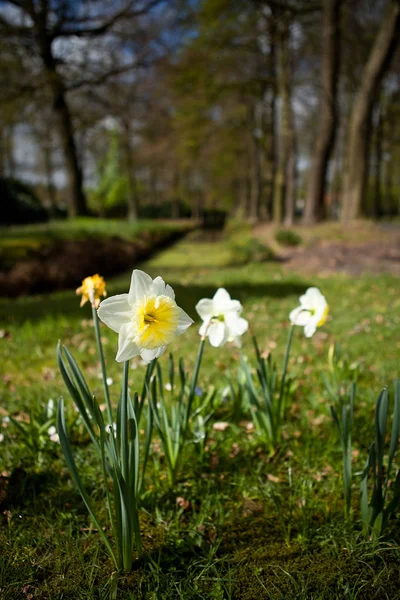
x=269, y=109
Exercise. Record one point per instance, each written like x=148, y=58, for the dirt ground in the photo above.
x=361, y=247
x=63, y=264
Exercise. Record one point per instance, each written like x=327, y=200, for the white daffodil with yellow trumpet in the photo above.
x=221, y=319
x=312, y=312
x=146, y=319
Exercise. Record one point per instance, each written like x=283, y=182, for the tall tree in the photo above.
x=328, y=111
x=358, y=143
x=41, y=24
x=284, y=194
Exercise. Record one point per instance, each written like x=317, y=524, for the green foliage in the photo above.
x=166, y=210
x=288, y=237
x=342, y=372
x=245, y=522
x=246, y=249
x=269, y=395
x=37, y=433
x=110, y=195
x=20, y=205
x=118, y=454
x=377, y=510
x=343, y=416
x=175, y=413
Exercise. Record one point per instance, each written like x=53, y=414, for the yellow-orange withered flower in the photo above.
x=92, y=289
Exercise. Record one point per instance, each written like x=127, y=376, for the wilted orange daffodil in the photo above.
x=312, y=312
x=92, y=289
x=146, y=319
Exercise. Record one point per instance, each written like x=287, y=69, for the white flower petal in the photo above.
x=115, y=311
x=158, y=287
x=218, y=334
x=221, y=300
x=299, y=316
x=127, y=348
x=310, y=328
x=236, y=325
x=311, y=298
x=234, y=306
x=149, y=355
x=205, y=309
x=320, y=312
x=184, y=321
x=203, y=328
x=140, y=285
x=169, y=292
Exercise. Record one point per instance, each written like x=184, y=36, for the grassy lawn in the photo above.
x=21, y=242
x=240, y=523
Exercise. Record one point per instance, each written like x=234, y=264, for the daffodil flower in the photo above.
x=221, y=319
x=146, y=319
x=311, y=313
x=92, y=289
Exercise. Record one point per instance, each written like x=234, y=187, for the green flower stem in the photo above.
x=194, y=383
x=284, y=371
x=103, y=369
x=124, y=423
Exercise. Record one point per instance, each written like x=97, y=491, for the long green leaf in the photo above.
x=66, y=448
x=76, y=396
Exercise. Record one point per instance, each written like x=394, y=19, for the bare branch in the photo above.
x=74, y=28
x=96, y=81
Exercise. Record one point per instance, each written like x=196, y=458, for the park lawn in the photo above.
x=246, y=525
x=22, y=242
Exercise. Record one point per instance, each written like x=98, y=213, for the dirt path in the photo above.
x=355, y=249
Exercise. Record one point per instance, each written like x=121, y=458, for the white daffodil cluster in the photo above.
x=147, y=318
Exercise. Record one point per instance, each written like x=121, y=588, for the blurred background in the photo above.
x=272, y=110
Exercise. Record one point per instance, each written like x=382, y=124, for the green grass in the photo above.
x=20, y=242
x=256, y=527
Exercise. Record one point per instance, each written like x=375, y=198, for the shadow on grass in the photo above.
x=34, y=308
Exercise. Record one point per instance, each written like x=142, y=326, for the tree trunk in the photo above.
x=48, y=167
x=388, y=183
x=39, y=14
x=284, y=182
x=315, y=207
x=377, y=197
x=272, y=124
x=176, y=194
x=357, y=153
x=291, y=185
x=2, y=153
x=9, y=152
x=77, y=205
x=256, y=182
x=132, y=198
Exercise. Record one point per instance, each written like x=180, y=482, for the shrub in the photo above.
x=20, y=205
x=214, y=219
x=288, y=237
x=246, y=249
x=165, y=210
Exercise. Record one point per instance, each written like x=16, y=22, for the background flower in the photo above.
x=311, y=313
x=221, y=318
x=92, y=289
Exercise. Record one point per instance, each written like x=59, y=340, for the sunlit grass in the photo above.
x=254, y=528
